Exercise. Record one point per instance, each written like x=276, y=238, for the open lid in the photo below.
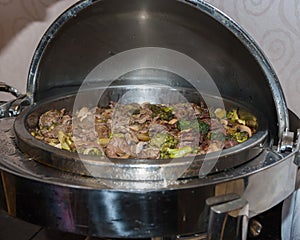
x=93, y=32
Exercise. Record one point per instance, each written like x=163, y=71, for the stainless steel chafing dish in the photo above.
x=156, y=51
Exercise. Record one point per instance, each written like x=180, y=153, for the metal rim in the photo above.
x=132, y=169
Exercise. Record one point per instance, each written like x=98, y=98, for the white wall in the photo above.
x=274, y=24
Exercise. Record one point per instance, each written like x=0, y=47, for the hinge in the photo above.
x=287, y=143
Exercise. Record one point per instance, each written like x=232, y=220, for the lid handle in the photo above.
x=13, y=107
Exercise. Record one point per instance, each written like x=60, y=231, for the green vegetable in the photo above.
x=158, y=140
x=176, y=153
x=219, y=136
x=161, y=140
x=249, y=118
x=163, y=112
x=169, y=142
x=64, y=140
x=203, y=127
x=183, y=124
x=233, y=116
x=241, y=136
x=92, y=151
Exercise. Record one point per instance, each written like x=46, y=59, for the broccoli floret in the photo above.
x=176, y=153
x=183, y=124
x=241, y=136
x=167, y=114
x=203, y=127
x=162, y=140
x=164, y=153
x=249, y=118
x=233, y=116
x=163, y=112
x=216, y=135
x=158, y=140
x=170, y=142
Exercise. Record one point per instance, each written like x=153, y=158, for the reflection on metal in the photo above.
x=157, y=238
x=249, y=76
x=235, y=186
x=191, y=237
x=14, y=107
x=179, y=209
x=9, y=89
x=287, y=141
x=228, y=218
x=9, y=193
x=118, y=208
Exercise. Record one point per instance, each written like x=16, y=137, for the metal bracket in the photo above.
x=228, y=217
x=287, y=141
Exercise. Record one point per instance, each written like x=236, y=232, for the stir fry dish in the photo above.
x=145, y=131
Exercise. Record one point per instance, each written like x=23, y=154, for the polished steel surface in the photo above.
x=225, y=215
x=75, y=47
x=102, y=208
x=91, y=32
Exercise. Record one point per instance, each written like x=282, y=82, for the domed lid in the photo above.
x=103, y=40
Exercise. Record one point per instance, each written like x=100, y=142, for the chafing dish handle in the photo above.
x=7, y=88
x=14, y=107
x=228, y=220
